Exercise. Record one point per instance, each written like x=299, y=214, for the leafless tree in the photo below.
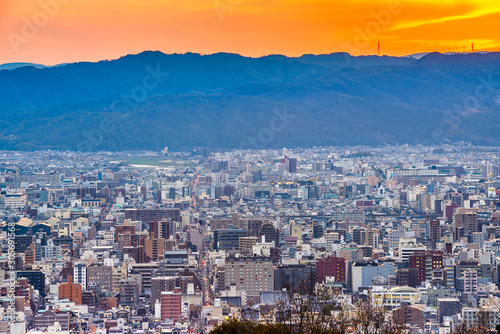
x=325, y=312
x=322, y=310
x=480, y=325
x=373, y=319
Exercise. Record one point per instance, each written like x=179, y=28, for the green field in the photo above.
x=161, y=162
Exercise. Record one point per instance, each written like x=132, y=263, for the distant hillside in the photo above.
x=11, y=66
x=152, y=100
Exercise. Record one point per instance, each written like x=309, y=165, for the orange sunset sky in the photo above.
x=91, y=30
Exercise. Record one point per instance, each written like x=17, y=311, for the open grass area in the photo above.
x=161, y=162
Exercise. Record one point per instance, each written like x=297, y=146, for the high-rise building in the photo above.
x=425, y=202
x=155, y=249
x=162, y=229
x=440, y=277
x=254, y=227
x=136, y=252
x=88, y=298
x=363, y=273
x=71, y=291
x=129, y=292
x=149, y=215
x=449, y=267
x=330, y=239
x=296, y=231
x=318, y=230
x=371, y=237
x=22, y=242
x=80, y=275
x=470, y=281
x=271, y=234
x=51, y=252
x=331, y=266
x=465, y=222
x=434, y=230
x=294, y=277
x=290, y=164
x=36, y=278
x=246, y=243
x=146, y=271
x=483, y=271
x=121, y=230
x=358, y=235
x=228, y=239
x=406, y=248
x=407, y=277
x=29, y=256
x=171, y=304
x=161, y=284
x=365, y=251
x=251, y=274
x=100, y=278
x=426, y=262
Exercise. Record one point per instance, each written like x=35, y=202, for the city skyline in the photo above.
x=249, y=166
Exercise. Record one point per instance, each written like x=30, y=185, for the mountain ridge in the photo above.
x=222, y=100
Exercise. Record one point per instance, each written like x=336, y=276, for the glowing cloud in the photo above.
x=96, y=29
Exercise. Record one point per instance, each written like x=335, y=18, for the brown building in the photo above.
x=161, y=229
x=466, y=222
x=254, y=227
x=22, y=289
x=407, y=277
x=275, y=254
x=434, y=230
x=108, y=303
x=155, y=249
x=124, y=229
x=370, y=236
x=223, y=224
x=410, y=315
x=29, y=256
x=124, y=240
x=160, y=284
x=188, y=277
x=71, y=291
x=170, y=244
x=88, y=298
x=137, y=253
x=246, y=243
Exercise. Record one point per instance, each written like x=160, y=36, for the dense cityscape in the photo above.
x=172, y=242
x=249, y=167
